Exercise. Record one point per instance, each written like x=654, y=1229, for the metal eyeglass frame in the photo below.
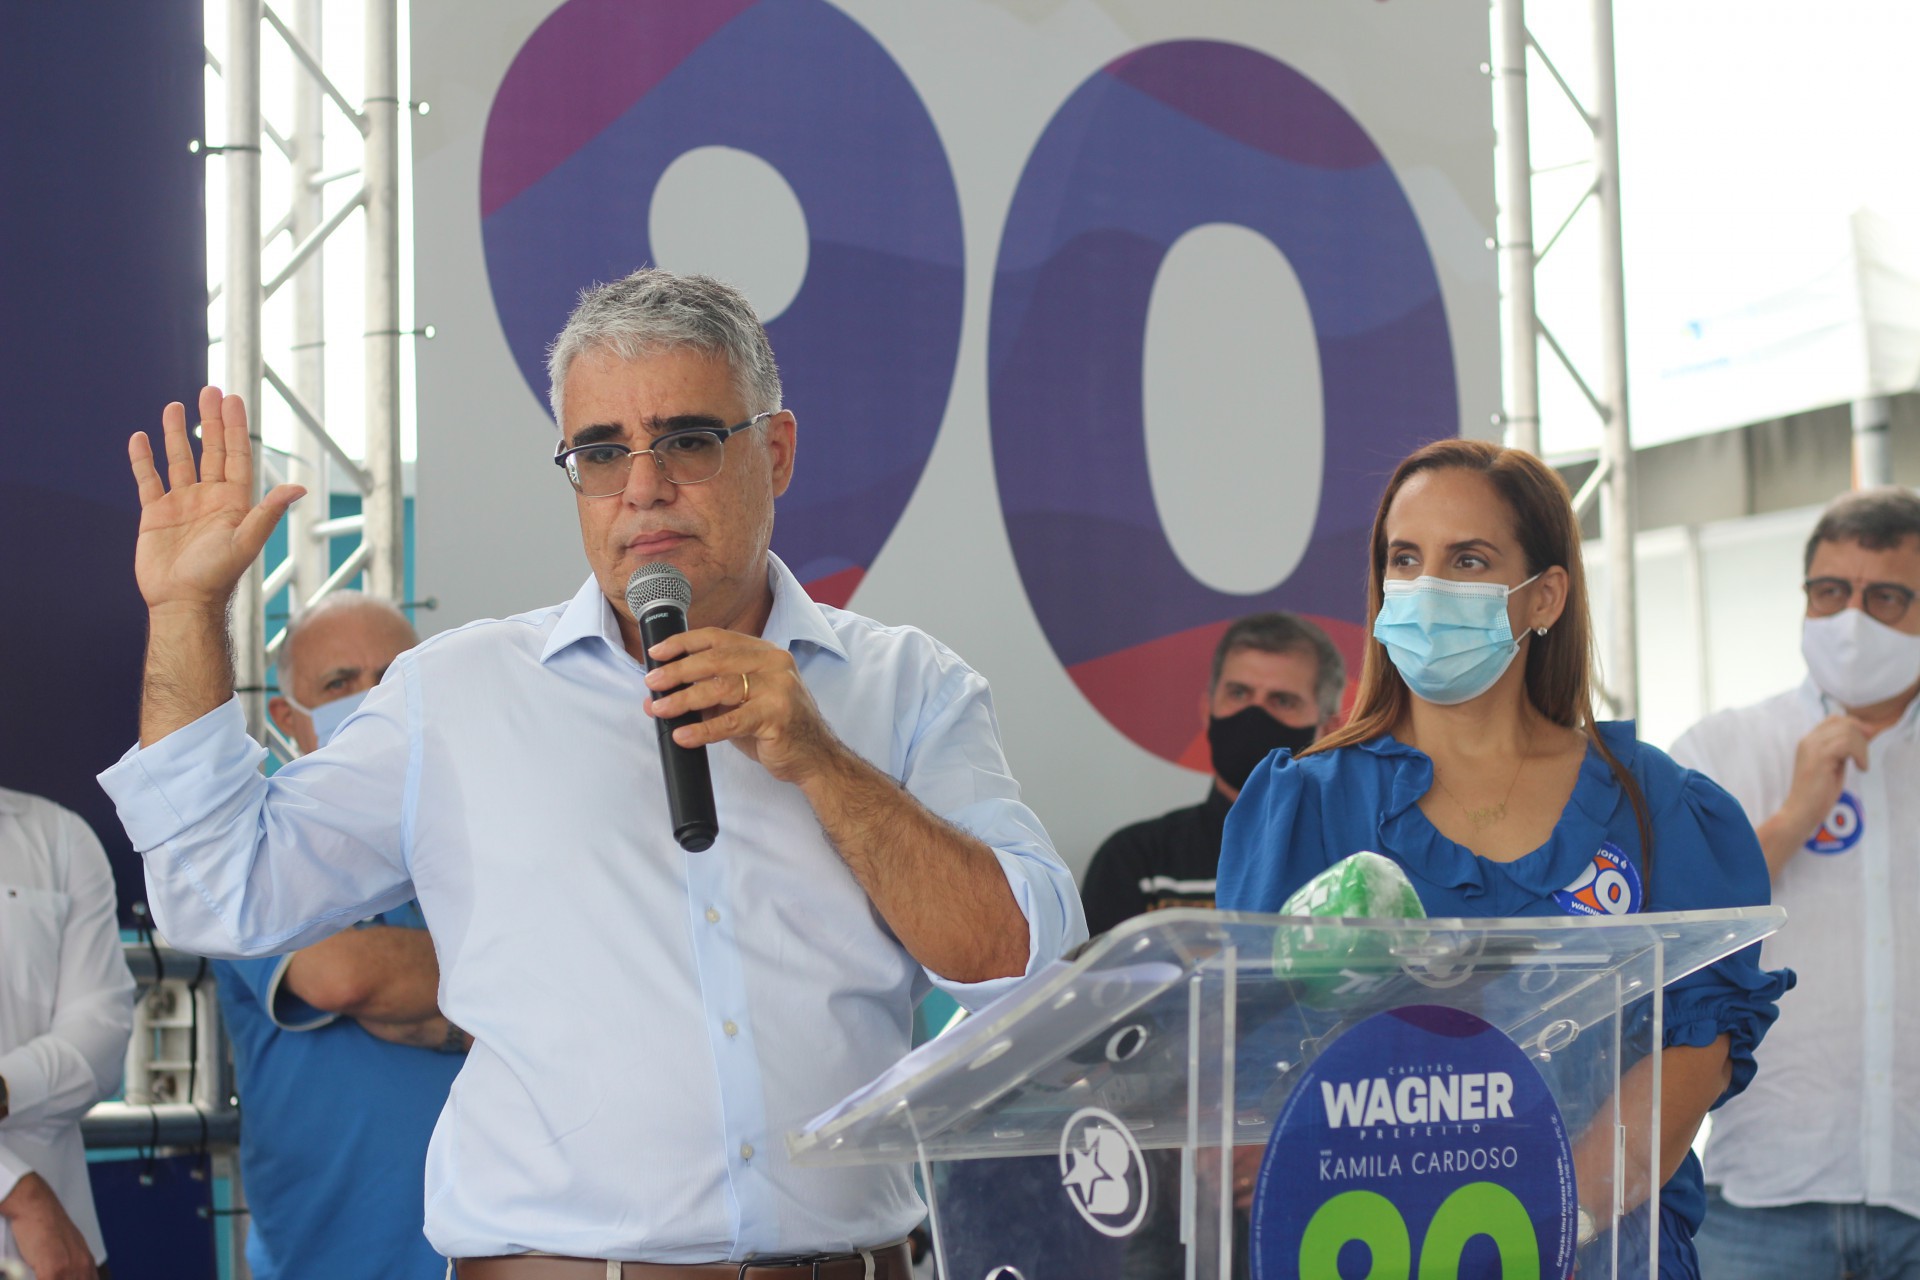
x=1894, y=590
x=562, y=457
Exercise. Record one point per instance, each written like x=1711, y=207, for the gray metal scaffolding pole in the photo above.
x=307, y=212
x=385, y=503
x=316, y=457
x=240, y=334
x=1616, y=447
x=1514, y=229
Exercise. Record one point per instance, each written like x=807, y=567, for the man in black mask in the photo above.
x=1277, y=682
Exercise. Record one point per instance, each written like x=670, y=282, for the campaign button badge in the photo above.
x=1841, y=830
x=1609, y=885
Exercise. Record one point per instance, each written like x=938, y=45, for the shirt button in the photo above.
x=713, y=916
x=729, y=1027
x=746, y=1151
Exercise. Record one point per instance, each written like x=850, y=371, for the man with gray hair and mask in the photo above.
x=649, y=1023
x=342, y=1057
x=1815, y=1169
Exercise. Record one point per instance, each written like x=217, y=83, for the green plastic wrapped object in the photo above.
x=1335, y=968
x=1365, y=886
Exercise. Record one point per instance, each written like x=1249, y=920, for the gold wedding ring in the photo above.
x=746, y=687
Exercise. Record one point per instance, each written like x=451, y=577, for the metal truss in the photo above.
x=1611, y=482
x=317, y=457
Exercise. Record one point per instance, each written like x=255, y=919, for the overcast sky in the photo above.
x=1750, y=131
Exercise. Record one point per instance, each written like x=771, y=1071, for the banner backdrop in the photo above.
x=1104, y=323
x=103, y=319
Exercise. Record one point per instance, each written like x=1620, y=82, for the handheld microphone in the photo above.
x=658, y=596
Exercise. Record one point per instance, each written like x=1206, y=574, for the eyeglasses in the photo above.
x=1886, y=602
x=692, y=456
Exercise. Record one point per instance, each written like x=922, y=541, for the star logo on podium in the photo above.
x=1103, y=1172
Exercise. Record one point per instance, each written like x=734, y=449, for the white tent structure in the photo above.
x=1757, y=294
x=1844, y=331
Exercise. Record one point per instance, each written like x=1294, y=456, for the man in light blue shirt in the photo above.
x=648, y=1024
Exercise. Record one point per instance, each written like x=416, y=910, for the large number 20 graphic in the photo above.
x=1479, y=1209
x=607, y=93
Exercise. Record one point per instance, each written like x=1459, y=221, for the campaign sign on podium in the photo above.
x=1211, y=1094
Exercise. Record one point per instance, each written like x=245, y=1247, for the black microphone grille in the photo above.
x=658, y=583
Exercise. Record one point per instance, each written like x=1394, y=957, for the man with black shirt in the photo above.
x=1277, y=682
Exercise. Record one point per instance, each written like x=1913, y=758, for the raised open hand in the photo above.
x=199, y=532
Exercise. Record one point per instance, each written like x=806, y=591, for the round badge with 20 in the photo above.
x=1842, y=828
x=1610, y=885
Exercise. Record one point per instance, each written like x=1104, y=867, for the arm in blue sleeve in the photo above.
x=264, y=979
x=238, y=864
x=1258, y=851
x=956, y=768
x=1706, y=854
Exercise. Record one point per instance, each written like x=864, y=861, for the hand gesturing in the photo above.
x=198, y=533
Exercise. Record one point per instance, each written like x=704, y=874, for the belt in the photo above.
x=889, y=1262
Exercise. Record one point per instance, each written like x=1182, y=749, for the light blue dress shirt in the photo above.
x=649, y=1024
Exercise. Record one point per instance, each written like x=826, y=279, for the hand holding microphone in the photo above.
x=714, y=685
x=658, y=596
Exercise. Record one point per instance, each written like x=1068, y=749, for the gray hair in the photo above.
x=1878, y=519
x=1287, y=633
x=332, y=602
x=652, y=311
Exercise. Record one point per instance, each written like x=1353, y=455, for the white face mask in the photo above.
x=1450, y=641
x=1857, y=661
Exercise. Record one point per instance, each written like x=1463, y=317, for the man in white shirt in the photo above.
x=1815, y=1169
x=66, y=1010
x=648, y=1023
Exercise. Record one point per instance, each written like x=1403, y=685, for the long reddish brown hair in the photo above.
x=1559, y=664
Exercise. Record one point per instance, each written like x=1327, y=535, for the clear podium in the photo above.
x=1208, y=1094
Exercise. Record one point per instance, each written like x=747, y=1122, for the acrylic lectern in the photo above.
x=1208, y=1094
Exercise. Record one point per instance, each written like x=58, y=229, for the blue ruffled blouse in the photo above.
x=1294, y=819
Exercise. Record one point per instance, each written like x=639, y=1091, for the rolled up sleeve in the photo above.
x=12, y=1169
x=957, y=769
x=238, y=864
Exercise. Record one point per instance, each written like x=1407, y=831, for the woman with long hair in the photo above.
x=1472, y=759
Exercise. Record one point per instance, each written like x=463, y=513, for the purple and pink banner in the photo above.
x=990, y=205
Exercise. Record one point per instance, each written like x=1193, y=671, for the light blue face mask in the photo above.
x=1450, y=641
x=327, y=716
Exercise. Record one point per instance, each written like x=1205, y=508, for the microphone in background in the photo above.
x=658, y=596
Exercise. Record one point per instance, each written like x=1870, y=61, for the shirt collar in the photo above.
x=794, y=619
x=1908, y=722
x=1812, y=699
x=588, y=616
x=1820, y=706
x=1582, y=825
x=1413, y=773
